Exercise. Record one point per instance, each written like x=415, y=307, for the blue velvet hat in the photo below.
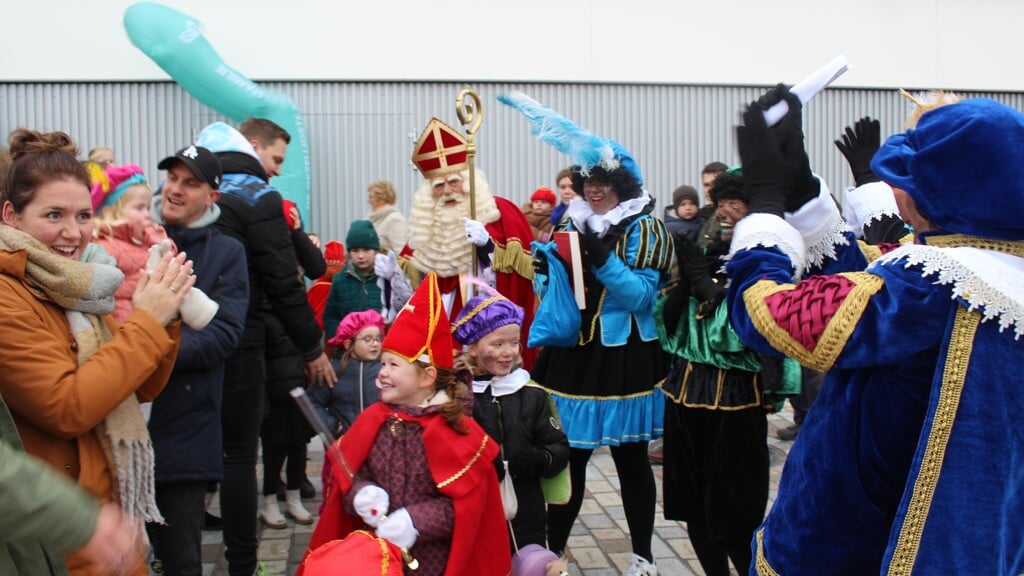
x=964, y=167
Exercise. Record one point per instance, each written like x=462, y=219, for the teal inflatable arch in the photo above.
x=176, y=43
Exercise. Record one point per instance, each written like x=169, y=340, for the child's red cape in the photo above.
x=461, y=466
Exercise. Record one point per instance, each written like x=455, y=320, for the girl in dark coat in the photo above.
x=512, y=409
x=357, y=363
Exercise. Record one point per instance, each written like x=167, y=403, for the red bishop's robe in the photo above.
x=462, y=468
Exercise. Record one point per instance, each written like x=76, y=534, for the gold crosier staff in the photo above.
x=470, y=115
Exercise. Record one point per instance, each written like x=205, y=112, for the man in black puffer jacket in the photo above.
x=252, y=212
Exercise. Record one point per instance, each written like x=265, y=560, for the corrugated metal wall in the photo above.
x=359, y=132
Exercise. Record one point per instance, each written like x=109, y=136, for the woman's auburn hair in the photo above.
x=453, y=410
x=38, y=158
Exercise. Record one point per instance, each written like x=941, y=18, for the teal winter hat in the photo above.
x=362, y=235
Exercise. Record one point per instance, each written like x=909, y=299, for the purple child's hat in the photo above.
x=482, y=315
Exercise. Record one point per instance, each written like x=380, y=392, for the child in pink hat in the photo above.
x=121, y=200
x=357, y=363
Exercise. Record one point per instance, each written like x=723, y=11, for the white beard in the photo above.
x=438, y=237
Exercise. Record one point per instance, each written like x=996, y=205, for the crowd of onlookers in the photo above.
x=157, y=341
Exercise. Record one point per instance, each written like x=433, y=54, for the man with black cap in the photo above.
x=910, y=461
x=185, y=422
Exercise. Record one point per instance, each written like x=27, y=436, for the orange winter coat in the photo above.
x=57, y=404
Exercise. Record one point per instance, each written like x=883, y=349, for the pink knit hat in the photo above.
x=118, y=180
x=355, y=323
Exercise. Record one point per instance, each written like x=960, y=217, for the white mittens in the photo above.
x=197, y=310
x=398, y=529
x=385, y=266
x=371, y=503
x=476, y=233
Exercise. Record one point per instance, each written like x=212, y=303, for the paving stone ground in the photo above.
x=599, y=540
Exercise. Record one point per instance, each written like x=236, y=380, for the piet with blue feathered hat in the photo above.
x=604, y=385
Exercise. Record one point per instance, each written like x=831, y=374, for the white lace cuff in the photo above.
x=770, y=231
x=871, y=202
x=821, y=225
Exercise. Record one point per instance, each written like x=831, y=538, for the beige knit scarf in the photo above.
x=85, y=290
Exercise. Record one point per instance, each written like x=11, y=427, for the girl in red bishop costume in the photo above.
x=414, y=467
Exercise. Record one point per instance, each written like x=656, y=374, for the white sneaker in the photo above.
x=639, y=566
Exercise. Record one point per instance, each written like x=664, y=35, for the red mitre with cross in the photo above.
x=440, y=150
x=421, y=331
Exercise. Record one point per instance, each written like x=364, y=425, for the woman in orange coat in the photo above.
x=72, y=376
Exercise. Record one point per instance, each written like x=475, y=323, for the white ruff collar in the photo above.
x=503, y=385
x=581, y=213
x=989, y=281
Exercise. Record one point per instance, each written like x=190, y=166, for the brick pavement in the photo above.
x=599, y=540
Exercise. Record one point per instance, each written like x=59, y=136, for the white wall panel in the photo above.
x=359, y=132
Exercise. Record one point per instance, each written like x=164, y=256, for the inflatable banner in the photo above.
x=176, y=43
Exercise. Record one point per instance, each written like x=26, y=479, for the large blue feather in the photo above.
x=583, y=148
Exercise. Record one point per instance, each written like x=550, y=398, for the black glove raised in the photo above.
x=528, y=464
x=859, y=144
x=765, y=177
x=789, y=134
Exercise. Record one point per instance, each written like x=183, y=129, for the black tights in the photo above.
x=714, y=558
x=284, y=436
x=638, y=497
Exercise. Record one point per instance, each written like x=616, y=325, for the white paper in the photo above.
x=808, y=88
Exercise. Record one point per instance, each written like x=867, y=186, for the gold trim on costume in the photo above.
x=760, y=562
x=465, y=468
x=954, y=373
x=513, y=258
x=603, y=398
x=719, y=388
x=1014, y=248
x=385, y=556
x=870, y=251
x=476, y=310
x=835, y=335
x=341, y=458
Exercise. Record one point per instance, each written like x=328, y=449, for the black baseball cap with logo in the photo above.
x=203, y=164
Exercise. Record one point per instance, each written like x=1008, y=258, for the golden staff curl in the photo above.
x=471, y=115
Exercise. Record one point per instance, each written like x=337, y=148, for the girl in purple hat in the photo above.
x=512, y=409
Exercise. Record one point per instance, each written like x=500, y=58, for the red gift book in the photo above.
x=568, y=243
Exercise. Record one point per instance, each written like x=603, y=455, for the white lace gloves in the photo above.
x=398, y=528
x=385, y=266
x=198, y=309
x=476, y=233
x=371, y=503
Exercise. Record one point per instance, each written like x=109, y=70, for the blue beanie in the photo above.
x=963, y=167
